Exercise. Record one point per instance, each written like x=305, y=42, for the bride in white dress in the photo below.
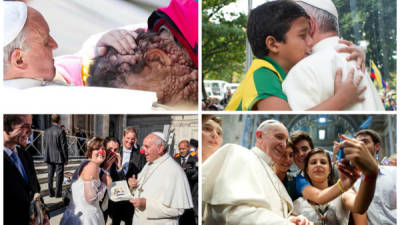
x=87, y=188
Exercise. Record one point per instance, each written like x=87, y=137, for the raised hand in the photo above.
x=358, y=154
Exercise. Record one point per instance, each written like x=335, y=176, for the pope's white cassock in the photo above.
x=311, y=81
x=240, y=187
x=167, y=192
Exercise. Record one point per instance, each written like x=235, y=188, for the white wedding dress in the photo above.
x=84, y=205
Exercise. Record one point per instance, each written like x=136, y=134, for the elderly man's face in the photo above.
x=152, y=151
x=40, y=46
x=273, y=142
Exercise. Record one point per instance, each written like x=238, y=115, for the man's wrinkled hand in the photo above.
x=123, y=41
x=139, y=203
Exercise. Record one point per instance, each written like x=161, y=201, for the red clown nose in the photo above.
x=102, y=152
x=141, y=151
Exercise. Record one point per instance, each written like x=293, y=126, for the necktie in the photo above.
x=182, y=161
x=19, y=165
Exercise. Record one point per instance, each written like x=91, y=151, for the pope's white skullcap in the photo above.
x=160, y=135
x=15, y=14
x=326, y=5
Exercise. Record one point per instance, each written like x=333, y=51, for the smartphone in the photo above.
x=342, y=155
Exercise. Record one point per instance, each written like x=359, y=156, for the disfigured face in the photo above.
x=40, y=45
x=273, y=142
x=129, y=139
x=211, y=136
x=183, y=149
x=297, y=44
x=170, y=73
x=318, y=168
x=286, y=161
x=300, y=153
x=152, y=150
x=159, y=64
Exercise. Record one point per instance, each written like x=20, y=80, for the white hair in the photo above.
x=264, y=126
x=18, y=43
x=326, y=21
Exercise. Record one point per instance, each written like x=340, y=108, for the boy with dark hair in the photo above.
x=278, y=33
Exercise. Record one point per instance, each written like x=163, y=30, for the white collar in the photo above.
x=9, y=151
x=324, y=43
x=261, y=154
x=22, y=83
x=126, y=150
x=160, y=159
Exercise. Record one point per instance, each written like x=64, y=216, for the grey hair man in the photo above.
x=27, y=47
x=312, y=79
x=162, y=189
x=233, y=169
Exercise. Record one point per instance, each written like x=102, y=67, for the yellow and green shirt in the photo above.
x=263, y=79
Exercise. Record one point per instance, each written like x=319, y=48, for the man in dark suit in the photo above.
x=188, y=161
x=132, y=162
x=81, y=136
x=55, y=154
x=20, y=180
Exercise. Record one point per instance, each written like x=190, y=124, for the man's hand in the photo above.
x=357, y=152
x=300, y=220
x=356, y=53
x=132, y=182
x=119, y=161
x=348, y=175
x=139, y=203
x=122, y=40
x=109, y=161
x=12, y=135
x=348, y=90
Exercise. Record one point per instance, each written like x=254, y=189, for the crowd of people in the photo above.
x=242, y=186
x=164, y=187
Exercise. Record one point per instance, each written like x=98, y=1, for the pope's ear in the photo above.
x=156, y=54
x=17, y=59
x=259, y=134
x=161, y=149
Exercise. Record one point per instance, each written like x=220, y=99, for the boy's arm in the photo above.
x=272, y=103
x=346, y=94
x=360, y=219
